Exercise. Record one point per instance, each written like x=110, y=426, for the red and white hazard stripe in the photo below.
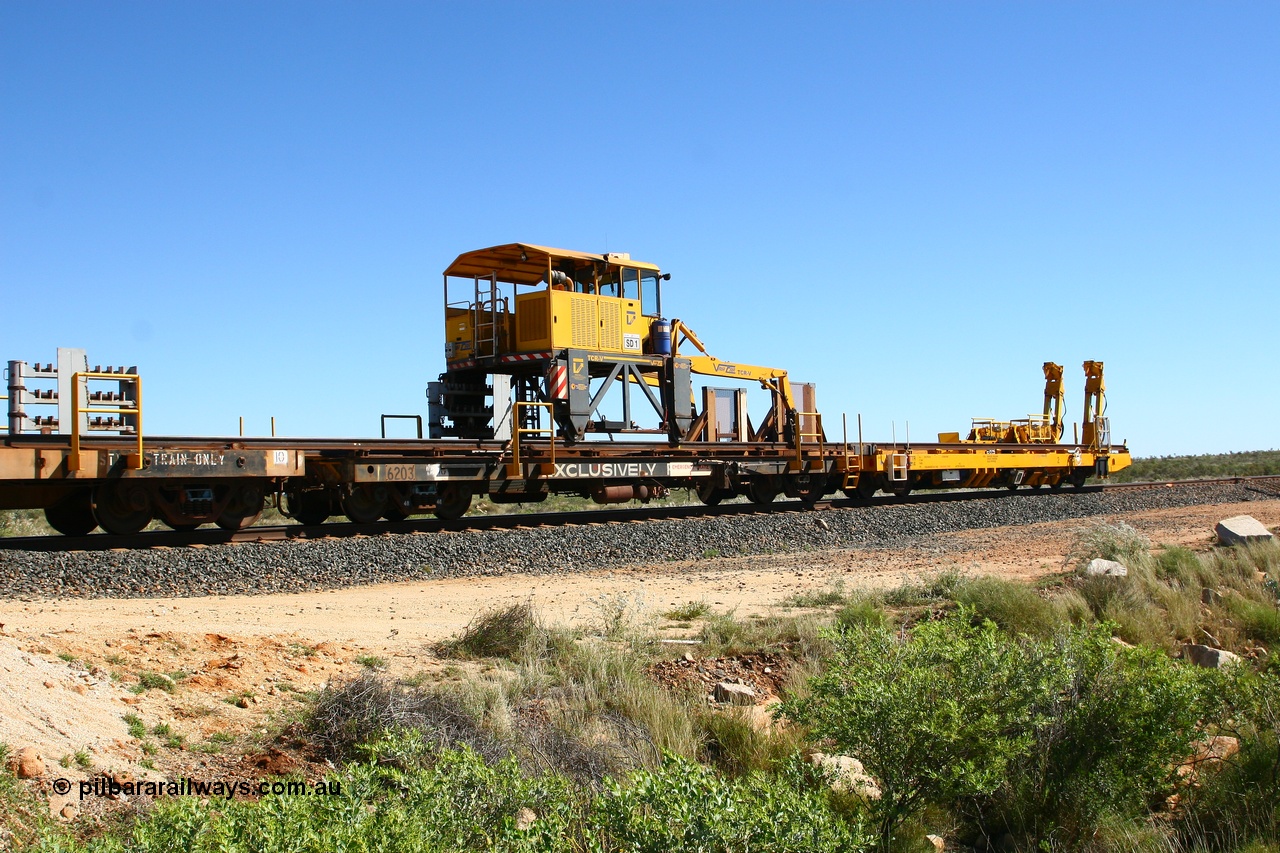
x=558, y=382
x=532, y=356
x=506, y=359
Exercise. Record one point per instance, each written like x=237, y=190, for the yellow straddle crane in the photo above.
x=1095, y=429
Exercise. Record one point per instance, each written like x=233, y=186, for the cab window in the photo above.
x=630, y=284
x=650, y=305
x=607, y=281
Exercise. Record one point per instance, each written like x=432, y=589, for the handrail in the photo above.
x=818, y=433
x=416, y=418
x=521, y=430
x=134, y=461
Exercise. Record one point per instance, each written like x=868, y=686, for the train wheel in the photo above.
x=1078, y=478
x=810, y=495
x=309, y=507
x=1056, y=485
x=362, y=506
x=243, y=510
x=761, y=492
x=181, y=528
x=121, y=509
x=900, y=491
x=863, y=491
x=73, y=515
x=453, y=503
x=709, y=494
x=394, y=513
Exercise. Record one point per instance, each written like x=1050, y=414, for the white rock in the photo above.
x=1240, y=529
x=1109, y=568
x=1209, y=657
x=735, y=694
x=846, y=773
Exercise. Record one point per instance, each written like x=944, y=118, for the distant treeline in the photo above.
x=1249, y=463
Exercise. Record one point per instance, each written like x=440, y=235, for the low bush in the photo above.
x=934, y=716
x=735, y=742
x=724, y=634
x=1105, y=745
x=1238, y=801
x=455, y=801
x=348, y=715
x=1039, y=738
x=508, y=632
x=685, y=807
x=862, y=611
x=1119, y=542
x=1015, y=607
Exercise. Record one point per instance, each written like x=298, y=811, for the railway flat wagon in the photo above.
x=562, y=375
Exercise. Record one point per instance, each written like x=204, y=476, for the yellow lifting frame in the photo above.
x=515, y=470
x=133, y=460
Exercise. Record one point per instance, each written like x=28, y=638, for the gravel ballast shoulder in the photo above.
x=299, y=566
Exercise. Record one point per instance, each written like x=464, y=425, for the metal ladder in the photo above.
x=486, y=329
x=526, y=395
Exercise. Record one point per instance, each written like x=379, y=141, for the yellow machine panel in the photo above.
x=556, y=319
x=533, y=321
x=458, y=334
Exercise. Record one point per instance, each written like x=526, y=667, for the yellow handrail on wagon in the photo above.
x=134, y=461
x=518, y=431
x=801, y=435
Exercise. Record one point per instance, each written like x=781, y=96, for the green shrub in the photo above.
x=1106, y=743
x=1015, y=607
x=154, y=681
x=1259, y=621
x=457, y=802
x=1042, y=738
x=861, y=611
x=937, y=588
x=685, y=807
x=1240, y=800
x=735, y=743
x=935, y=716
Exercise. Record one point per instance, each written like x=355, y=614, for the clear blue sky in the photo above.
x=911, y=204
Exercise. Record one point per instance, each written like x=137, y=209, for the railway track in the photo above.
x=1265, y=485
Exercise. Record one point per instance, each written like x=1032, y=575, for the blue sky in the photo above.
x=912, y=205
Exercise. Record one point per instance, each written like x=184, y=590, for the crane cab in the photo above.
x=521, y=299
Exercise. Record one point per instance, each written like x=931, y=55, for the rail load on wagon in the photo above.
x=548, y=353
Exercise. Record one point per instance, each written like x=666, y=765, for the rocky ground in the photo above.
x=207, y=678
